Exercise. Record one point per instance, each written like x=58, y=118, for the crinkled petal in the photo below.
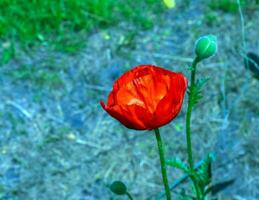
x=127, y=115
x=169, y=107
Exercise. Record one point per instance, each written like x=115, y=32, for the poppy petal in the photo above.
x=170, y=105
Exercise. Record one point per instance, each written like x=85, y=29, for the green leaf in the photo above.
x=201, y=82
x=252, y=63
x=197, y=89
x=178, y=164
x=203, y=175
x=189, y=68
x=214, y=189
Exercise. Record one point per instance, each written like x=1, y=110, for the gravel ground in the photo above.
x=57, y=143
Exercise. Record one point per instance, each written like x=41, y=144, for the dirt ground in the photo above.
x=57, y=143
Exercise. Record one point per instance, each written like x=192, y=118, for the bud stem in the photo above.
x=129, y=196
x=162, y=162
x=188, y=124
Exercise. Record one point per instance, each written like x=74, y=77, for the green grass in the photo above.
x=230, y=5
x=225, y=5
x=45, y=21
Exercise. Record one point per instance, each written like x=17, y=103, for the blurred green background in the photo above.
x=33, y=22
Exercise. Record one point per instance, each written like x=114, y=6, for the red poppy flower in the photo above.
x=146, y=97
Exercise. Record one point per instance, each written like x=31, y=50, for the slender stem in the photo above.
x=189, y=114
x=188, y=124
x=129, y=196
x=162, y=162
x=242, y=26
x=196, y=188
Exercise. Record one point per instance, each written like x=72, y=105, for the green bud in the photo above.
x=118, y=187
x=206, y=46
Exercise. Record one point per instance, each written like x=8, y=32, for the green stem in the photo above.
x=129, y=196
x=197, y=189
x=162, y=162
x=188, y=123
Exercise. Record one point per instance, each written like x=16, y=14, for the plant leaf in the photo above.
x=252, y=63
x=204, y=174
x=197, y=89
x=201, y=82
x=178, y=164
x=214, y=189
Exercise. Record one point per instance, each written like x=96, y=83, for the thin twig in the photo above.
x=242, y=25
x=96, y=87
x=20, y=108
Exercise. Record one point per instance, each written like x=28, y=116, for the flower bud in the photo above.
x=118, y=187
x=206, y=46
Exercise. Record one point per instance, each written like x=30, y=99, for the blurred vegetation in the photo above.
x=230, y=5
x=39, y=77
x=211, y=16
x=45, y=21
